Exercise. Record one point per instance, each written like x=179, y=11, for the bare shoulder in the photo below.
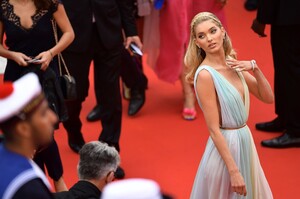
x=205, y=89
x=204, y=84
x=204, y=76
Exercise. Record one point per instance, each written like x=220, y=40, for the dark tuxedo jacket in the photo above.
x=111, y=17
x=279, y=12
x=81, y=190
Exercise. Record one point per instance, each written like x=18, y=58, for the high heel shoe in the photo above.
x=189, y=114
x=189, y=111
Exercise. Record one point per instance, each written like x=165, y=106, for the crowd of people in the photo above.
x=101, y=33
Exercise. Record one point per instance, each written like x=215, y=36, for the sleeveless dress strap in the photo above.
x=246, y=92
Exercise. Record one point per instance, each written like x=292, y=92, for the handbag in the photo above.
x=51, y=88
x=66, y=80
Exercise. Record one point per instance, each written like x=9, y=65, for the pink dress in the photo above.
x=166, y=35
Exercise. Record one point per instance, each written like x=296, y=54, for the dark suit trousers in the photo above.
x=107, y=89
x=132, y=71
x=285, y=43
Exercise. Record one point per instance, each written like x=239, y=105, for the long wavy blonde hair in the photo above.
x=194, y=56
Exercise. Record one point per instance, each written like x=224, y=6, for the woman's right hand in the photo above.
x=20, y=58
x=238, y=183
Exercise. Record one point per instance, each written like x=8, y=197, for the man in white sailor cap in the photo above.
x=136, y=188
x=27, y=123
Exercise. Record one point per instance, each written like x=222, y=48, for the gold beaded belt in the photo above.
x=225, y=128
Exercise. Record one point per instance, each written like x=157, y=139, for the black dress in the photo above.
x=31, y=42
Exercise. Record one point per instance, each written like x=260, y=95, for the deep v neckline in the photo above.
x=18, y=19
x=242, y=97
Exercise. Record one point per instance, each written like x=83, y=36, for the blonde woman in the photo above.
x=230, y=166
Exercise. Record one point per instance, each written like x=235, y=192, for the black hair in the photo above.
x=42, y=4
x=8, y=127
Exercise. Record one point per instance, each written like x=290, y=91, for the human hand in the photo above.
x=239, y=65
x=44, y=59
x=238, y=184
x=258, y=28
x=20, y=58
x=133, y=39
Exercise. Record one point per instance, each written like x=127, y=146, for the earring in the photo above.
x=198, y=46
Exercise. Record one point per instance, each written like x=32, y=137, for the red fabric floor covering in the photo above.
x=159, y=144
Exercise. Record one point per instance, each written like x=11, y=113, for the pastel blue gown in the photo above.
x=212, y=180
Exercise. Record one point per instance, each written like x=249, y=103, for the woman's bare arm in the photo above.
x=66, y=39
x=258, y=84
x=64, y=24
x=18, y=57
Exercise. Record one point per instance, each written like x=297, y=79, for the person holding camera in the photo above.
x=97, y=165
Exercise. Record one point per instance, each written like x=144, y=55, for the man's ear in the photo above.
x=23, y=129
x=110, y=177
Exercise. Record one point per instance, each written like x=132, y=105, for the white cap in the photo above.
x=132, y=189
x=16, y=96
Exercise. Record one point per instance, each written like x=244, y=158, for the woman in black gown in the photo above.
x=27, y=25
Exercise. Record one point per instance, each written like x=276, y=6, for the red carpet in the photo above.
x=160, y=145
